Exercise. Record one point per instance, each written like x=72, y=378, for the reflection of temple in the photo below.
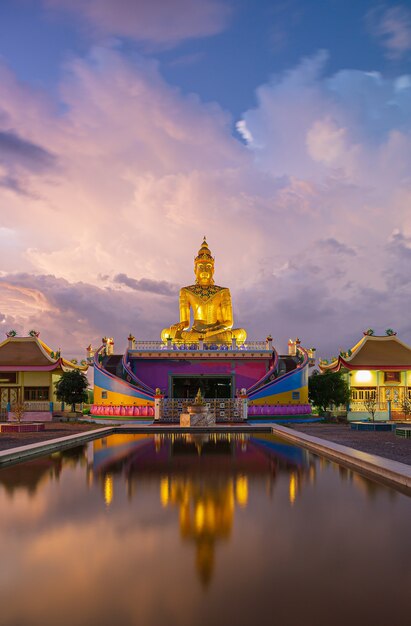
x=205, y=476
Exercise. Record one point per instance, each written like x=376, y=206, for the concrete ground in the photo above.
x=385, y=444
x=53, y=431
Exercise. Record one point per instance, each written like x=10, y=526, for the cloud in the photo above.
x=13, y=184
x=15, y=150
x=333, y=246
x=399, y=251
x=340, y=144
x=164, y=22
x=71, y=315
x=392, y=27
x=299, y=216
x=349, y=124
x=160, y=287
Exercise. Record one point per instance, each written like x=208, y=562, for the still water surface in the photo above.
x=199, y=530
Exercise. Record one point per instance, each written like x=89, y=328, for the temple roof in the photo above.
x=373, y=352
x=30, y=353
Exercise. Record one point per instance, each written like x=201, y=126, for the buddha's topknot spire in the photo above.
x=204, y=253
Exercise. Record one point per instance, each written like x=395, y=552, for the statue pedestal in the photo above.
x=197, y=416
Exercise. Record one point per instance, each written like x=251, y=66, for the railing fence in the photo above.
x=207, y=346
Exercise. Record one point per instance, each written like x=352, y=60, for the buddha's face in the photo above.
x=204, y=271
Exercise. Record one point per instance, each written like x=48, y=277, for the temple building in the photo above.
x=202, y=350
x=377, y=368
x=29, y=370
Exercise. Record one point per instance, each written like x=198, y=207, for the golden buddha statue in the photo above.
x=211, y=307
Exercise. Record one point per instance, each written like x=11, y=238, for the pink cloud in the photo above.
x=392, y=26
x=140, y=172
x=139, y=19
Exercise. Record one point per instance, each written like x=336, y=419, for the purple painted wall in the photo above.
x=156, y=372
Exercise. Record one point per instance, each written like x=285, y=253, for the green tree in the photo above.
x=327, y=389
x=72, y=387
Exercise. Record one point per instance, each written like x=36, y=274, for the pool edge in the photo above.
x=377, y=467
x=21, y=453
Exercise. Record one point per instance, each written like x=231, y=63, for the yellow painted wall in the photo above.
x=377, y=378
x=117, y=399
x=36, y=379
x=284, y=398
x=54, y=379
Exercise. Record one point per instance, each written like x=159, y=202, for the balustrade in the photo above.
x=358, y=406
x=37, y=405
x=207, y=347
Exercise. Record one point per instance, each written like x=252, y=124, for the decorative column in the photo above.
x=244, y=404
x=110, y=346
x=169, y=346
x=131, y=342
x=269, y=343
x=157, y=404
x=201, y=343
x=233, y=343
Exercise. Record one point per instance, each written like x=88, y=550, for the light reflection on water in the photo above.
x=183, y=529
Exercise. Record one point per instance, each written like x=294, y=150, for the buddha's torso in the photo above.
x=206, y=302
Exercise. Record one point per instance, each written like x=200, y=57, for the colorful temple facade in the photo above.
x=29, y=370
x=378, y=372
x=203, y=350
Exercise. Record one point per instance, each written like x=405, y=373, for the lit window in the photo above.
x=363, y=376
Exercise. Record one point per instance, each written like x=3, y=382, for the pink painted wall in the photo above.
x=156, y=373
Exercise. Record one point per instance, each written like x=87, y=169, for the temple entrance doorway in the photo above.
x=8, y=395
x=210, y=386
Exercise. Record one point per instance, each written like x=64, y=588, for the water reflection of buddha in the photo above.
x=211, y=307
x=206, y=514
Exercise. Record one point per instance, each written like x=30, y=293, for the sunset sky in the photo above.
x=280, y=129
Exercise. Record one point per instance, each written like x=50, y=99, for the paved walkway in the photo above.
x=385, y=444
x=53, y=430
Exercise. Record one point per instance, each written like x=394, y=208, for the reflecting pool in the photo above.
x=199, y=530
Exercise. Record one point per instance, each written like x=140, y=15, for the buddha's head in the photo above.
x=204, y=265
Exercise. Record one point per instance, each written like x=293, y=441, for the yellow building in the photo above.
x=377, y=368
x=29, y=370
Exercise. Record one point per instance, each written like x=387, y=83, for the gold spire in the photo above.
x=204, y=253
